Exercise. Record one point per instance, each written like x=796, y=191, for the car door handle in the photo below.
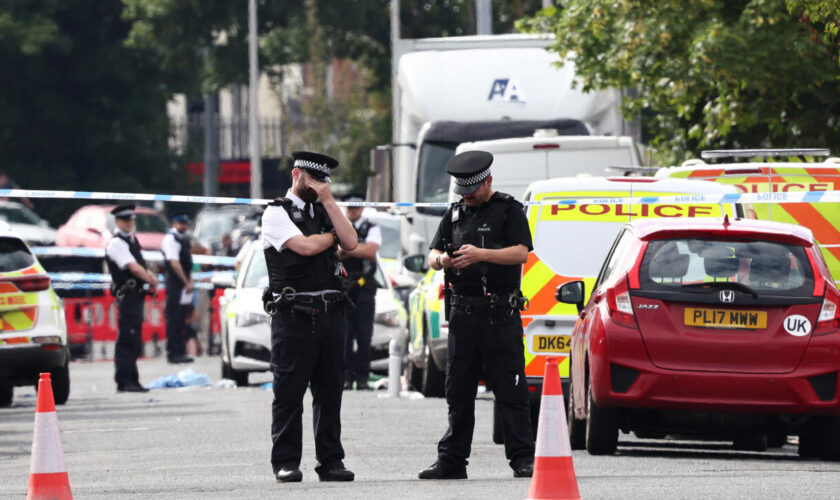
x=582, y=314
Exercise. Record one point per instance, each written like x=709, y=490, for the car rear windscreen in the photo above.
x=14, y=255
x=766, y=267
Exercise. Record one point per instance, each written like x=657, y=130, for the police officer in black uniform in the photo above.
x=481, y=243
x=128, y=274
x=361, y=284
x=301, y=233
x=177, y=258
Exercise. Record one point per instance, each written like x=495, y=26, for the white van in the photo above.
x=519, y=162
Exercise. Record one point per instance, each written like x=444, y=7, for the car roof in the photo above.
x=714, y=169
x=665, y=185
x=650, y=229
x=10, y=204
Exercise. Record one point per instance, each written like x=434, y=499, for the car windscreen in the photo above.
x=256, y=276
x=763, y=267
x=390, y=248
x=432, y=181
x=212, y=226
x=14, y=255
x=19, y=215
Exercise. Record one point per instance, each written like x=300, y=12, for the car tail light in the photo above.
x=620, y=306
x=34, y=283
x=828, y=320
x=546, y=146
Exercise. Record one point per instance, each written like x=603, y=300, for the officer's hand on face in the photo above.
x=322, y=189
x=465, y=256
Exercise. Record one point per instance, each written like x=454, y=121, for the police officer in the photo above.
x=178, y=262
x=128, y=274
x=481, y=243
x=307, y=303
x=361, y=269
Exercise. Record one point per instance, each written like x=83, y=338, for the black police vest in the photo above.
x=120, y=276
x=357, y=267
x=483, y=227
x=184, y=258
x=304, y=274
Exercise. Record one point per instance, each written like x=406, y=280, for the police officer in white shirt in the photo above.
x=361, y=268
x=128, y=273
x=177, y=256
x=301, y=233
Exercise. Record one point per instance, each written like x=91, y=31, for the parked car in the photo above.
x=708, y=327
x=246, y=332
x=34, y=230
x=213, y=222
x=33, y=331
x=92, y=226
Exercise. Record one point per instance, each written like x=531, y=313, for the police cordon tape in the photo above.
x=149, y=255
x=63, y=285
x=106, y=278
x=755, y=198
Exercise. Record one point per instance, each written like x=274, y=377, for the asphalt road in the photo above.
x=214, y=443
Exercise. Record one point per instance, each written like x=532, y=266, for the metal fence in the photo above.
x=187, y=136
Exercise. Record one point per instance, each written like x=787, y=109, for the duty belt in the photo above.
x=514, y=300
x=311, y=304
x=130, y=286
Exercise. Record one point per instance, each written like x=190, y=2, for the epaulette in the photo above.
x=281, y=202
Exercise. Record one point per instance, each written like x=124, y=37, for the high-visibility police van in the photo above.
x=571, y=242
x=823, y=219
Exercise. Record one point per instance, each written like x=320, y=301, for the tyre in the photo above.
x=6, y=393
x=601, y=428
x=434, y=379
x=577, y=428
x=776, y=439
x=498, y=430
x=750, y=442
x=829, y=439
x=61, y=383
x=413, y=375
x=239, y=377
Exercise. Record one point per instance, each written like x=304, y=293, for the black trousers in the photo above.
x=477, y=346
x=129, y=339
x=307, y=351
x=360, y=330
x=175, y=319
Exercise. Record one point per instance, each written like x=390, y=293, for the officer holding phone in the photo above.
x=481, y=244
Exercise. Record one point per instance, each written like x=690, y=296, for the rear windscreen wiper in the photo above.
x=715, y=285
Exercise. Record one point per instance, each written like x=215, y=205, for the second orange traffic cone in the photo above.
x=554, y=472
x=47, y=476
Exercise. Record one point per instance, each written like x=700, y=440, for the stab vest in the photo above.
x=304, y=274
x=120, y=276
x=184, y=258
x=357, y=267
x=483, y=227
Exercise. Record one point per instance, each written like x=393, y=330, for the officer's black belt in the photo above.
x=480, y=301
x=316, y=304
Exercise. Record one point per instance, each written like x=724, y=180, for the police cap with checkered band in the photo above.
x=315, y=164
x=469, y=170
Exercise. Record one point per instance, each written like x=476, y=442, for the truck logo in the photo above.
x=506, y=89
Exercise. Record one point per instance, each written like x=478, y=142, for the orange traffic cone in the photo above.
x=48, y=478
x=554, y=472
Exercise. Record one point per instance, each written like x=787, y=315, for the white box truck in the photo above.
x=447, y=91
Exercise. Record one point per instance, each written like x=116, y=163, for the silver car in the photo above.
x=246, y=328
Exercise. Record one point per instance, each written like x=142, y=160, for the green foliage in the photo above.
x=822, y=16
x=707, y=74
x=80, y=110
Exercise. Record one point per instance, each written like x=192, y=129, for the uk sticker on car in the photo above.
x=797, y=325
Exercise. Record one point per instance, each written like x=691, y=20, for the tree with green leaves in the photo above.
x=823, y=17
x=706, y=73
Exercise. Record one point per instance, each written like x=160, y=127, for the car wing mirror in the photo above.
x=571, y=293
x=416, y=263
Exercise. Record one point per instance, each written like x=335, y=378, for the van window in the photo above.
x=766, y=267
x=14, y=255
x=432, y=181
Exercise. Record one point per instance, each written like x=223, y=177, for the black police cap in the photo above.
x=123, y=210
x=469, y=170
x=315, y=164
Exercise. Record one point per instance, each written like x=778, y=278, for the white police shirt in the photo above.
x=118, y=251
x=170, y=246
x=374, y=233
x=277, y=227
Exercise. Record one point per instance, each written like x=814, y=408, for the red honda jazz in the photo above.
x=708, y=328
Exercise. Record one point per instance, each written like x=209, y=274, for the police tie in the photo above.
x=307, y=208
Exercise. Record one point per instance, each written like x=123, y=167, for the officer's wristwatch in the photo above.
x=335, y=237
